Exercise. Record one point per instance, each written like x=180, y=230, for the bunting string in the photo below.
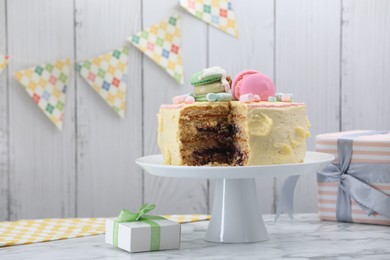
x=47, y=83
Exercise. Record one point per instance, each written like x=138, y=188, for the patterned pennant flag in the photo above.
x=107, y=76
x=218, y=13
x=161, y=43
x=3, y=62
x=46, y=84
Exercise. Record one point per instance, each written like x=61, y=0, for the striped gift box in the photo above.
x=365, y=149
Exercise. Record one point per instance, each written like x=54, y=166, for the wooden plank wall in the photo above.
x=42, y=164
x=332, y=54
x=106, y=144
x=308, y=65
x=4, y=135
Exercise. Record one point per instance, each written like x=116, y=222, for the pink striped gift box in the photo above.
x=366, y=149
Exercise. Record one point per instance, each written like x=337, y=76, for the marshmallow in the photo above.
x=271, y=99
x=287, y=97
x=187, y=98
x=246, y=98
x=219, y=97
x=284, y=97
x=211, y=97
x=278, y=96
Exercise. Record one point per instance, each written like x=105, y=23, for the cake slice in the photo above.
x=195, y=134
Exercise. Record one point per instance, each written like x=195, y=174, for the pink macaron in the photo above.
x=253, y=82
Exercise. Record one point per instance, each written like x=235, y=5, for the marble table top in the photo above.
x=304, y=238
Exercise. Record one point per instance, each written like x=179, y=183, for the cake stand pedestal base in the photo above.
x=236, y=217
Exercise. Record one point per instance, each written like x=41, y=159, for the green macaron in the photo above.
x=197, y=78
x=215, y=87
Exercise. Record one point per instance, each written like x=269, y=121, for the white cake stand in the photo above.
x=236, y=217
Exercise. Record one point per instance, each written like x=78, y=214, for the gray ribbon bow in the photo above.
x=353, y=179
x=286, y=197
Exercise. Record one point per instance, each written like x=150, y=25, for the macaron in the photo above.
x=214, y=87
x=253, y=82
x=207, y=76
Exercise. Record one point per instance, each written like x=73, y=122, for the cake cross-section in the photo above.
x=233, y=133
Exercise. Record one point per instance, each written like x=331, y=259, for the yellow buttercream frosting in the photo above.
x=259, y=124
x=285, y=138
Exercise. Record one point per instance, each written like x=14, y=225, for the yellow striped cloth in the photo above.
x=24, y=232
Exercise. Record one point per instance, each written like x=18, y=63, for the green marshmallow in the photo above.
x=219, y=97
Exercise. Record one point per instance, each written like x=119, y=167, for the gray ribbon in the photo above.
x=286, y=197
x=353, y=179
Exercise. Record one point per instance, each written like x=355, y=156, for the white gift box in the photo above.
x=137, y=236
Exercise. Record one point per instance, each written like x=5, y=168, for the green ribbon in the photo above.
x=127, y=216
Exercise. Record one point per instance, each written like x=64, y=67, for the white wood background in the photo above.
x=332, y=54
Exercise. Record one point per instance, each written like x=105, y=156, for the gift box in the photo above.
x=356, y=186
x=135, y=232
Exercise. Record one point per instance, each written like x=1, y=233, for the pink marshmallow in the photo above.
x=253, y=82
x=285, y=98
x=189, y=100
x=179, y=99
x=183, y=99
x=247, y=98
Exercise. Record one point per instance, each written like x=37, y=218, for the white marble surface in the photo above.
x=305, y=238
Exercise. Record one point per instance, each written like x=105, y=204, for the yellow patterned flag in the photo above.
x=218, y=13
x=41, y=230
x=47, y=85
x=107, y=75
x=3, y=62
x=161, y=43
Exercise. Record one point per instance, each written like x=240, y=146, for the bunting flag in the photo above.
x=47, y=85
x=3, y=62
x=218, y=13
x=107, y=75
x=161, y=43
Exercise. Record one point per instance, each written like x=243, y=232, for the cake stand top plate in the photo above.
x=154, y=165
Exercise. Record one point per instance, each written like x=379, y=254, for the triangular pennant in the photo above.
x=107, y=75
x=3, y=62
x=47, y=85
x=218, y=13
x=161, y=43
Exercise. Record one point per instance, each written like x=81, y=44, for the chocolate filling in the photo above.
x=211, y=142
x=239, y=157
x=225, y=152
x=212, y=155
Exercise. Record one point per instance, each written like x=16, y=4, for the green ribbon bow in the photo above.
x=127, y=216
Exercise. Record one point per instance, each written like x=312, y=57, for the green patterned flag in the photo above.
x=47, y=85
x=107, y=75
x=161, y=43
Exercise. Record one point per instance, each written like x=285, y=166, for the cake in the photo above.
x=219, y=130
